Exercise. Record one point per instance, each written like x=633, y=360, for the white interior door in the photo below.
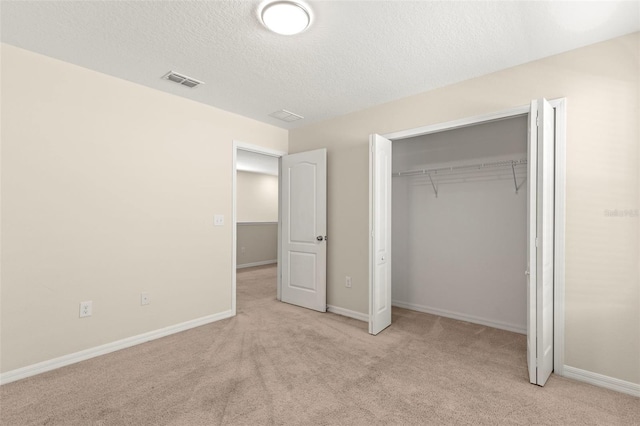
x=541, y=241
x=304, y=229
x=380, y=239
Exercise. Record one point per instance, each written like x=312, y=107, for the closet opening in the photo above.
x=459, y=216
x=467, y=221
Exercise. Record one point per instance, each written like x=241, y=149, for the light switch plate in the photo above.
x=218, y=220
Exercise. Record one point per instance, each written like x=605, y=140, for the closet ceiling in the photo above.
x=355, y=54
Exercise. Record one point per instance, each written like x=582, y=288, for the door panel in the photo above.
x=541, y=241
x=546, y=210
x=302, y=204
x=302, y=267
x=532, y=252
x=380, y=243
x=304, y=229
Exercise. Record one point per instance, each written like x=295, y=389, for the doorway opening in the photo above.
x=301, y=229
x=256, y=209
x=256, y=212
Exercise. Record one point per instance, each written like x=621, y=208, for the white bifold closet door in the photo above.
x=540, y=247
x=303, y=233
x=380, y=237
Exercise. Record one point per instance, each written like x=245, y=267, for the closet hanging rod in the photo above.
x=469, y=167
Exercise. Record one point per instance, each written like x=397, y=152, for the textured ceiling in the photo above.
x=355, y=54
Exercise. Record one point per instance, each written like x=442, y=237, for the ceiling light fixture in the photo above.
x=285, y=17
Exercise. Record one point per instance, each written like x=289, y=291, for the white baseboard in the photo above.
x=249, y=265
x=602, y=380
x=348, y=313
x=461, y=317
x=52, y=364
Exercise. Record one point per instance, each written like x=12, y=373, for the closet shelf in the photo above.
x=471, y=172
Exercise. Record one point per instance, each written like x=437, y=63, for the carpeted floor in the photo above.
x=279, y=364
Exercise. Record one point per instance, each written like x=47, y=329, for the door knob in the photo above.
x=319, y=238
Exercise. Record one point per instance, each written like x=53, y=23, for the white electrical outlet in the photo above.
x=218, y=220
x=144, y=299
x=86, y=309
x=347, y=282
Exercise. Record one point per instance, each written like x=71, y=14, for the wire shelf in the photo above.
x=478, y=172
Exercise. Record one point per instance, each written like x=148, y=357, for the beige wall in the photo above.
x=603, y=173
x=109, y=190
x=256, y=201
x=257, y=197
x=257, y=243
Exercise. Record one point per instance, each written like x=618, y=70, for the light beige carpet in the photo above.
x=279, y=364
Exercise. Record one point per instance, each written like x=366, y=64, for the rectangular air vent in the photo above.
x=285, y=115
x=182, y=79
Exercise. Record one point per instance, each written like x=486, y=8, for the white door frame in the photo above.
x=560, y=106
x=237, y=145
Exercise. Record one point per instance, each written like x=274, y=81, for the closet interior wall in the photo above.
x=462, y=253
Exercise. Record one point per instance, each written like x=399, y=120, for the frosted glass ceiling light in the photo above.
x=286, y=17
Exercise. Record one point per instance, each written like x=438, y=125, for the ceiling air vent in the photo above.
x=182, y=79
x=285, y=115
